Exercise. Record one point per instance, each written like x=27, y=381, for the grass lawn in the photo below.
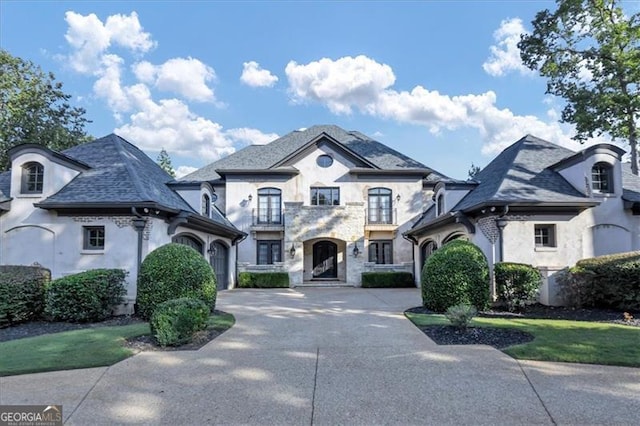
x=562, y=340
x=89, y=347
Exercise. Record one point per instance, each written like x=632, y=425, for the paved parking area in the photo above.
x=332, y=356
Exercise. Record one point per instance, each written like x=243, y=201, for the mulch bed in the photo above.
x=137, y=344
x=501, y=338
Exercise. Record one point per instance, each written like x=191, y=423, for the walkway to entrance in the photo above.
x=332, y=356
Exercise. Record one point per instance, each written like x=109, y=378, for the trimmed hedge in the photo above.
x=174, y=271
x=387, y=279
x=263, y=280
x=457, y=273
x=517, y=284
x=175, y=321
x=611, y=281
x=87, y=296
x=22, y=293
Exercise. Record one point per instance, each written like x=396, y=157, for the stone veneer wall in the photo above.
x=345, y=223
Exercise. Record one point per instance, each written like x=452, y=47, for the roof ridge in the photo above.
x=142, y=192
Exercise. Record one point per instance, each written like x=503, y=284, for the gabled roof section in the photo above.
x=58, y=157
x=522, y=174
x=371, y=153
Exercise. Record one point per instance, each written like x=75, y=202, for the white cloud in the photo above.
x=254, y=76
x=505, y=55
x=187, y=77
x=251, y=136
x=340, y=84
x=184, y=170
x=145, y=72
x=329, y=83
x=90, y=38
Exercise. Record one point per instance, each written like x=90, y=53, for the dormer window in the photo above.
x=439, y=204
x=602, y=178
x=32, y=178
x=206, y=205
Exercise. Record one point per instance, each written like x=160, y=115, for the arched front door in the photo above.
x=325, y=260
x=219, y=260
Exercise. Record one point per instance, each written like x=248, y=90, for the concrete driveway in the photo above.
x=332, y=356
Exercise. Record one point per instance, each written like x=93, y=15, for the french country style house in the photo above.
x=105, y=204
x=321, y=204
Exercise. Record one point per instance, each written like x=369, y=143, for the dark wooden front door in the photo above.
x=325, y=260
x=219, y=260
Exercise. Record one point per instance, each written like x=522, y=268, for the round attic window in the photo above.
x=324, y=161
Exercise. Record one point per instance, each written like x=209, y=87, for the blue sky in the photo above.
x=439, y=81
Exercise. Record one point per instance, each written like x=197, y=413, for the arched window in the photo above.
x=269, y=201
x=206, y=205
x=455, y=236
x=602, y=178
x=426, y=250
x=380, y=206
x=440, y=204
x=32, y=178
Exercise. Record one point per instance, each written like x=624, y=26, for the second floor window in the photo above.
x=325, y=196
x=269, y=201
x=380, y=206
x=32, y=178
x=601, y=178
x=206, y=205
x=439, y=205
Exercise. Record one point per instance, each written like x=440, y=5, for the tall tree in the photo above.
x=34, y=109
x=589, y=51
x=164, y=161
x=473, y=171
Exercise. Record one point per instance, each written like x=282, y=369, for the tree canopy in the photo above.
x=589, y=51
x=34, y=109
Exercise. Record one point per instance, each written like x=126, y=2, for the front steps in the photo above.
x=323, y=283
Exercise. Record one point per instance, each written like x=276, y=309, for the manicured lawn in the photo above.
x=89, y=347
x=562, y=340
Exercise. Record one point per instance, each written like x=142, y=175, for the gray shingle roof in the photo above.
x=261, y=157
x=630, y=184
x=120, y=173
x=5, y=185
x=521, y=173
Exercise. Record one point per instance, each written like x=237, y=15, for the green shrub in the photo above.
x=88, y=296
x=387, y=279
x=263, y=280
x=174, y=322
x=611, y=281
x=22, y=293
x=517, y=284
x=456, y=273
x=461, y=315
x=173, y=271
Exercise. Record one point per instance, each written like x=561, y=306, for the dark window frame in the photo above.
x=382, y=213
x=206, y=205
x=440, y=204
x=273, y=198
x=377, y=252
x=602, y=178
x=316, y=192
x=545, y=235
x=270, y=260
x=324, y=160
x=93, y=237
x=32, y=178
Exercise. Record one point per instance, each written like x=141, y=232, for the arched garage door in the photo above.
x=219, y=260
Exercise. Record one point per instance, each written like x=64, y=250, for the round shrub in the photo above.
x=174, y=322
x=88, y=296
x=517, y=284
x=455, y=274
x=22, y=293
x=173, y=271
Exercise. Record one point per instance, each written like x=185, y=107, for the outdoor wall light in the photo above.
x=356, y=250
x=250, y=197
x=292, y=251
x=398, y=198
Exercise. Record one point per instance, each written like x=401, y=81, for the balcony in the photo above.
x=384, y=219
x=267, y=220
